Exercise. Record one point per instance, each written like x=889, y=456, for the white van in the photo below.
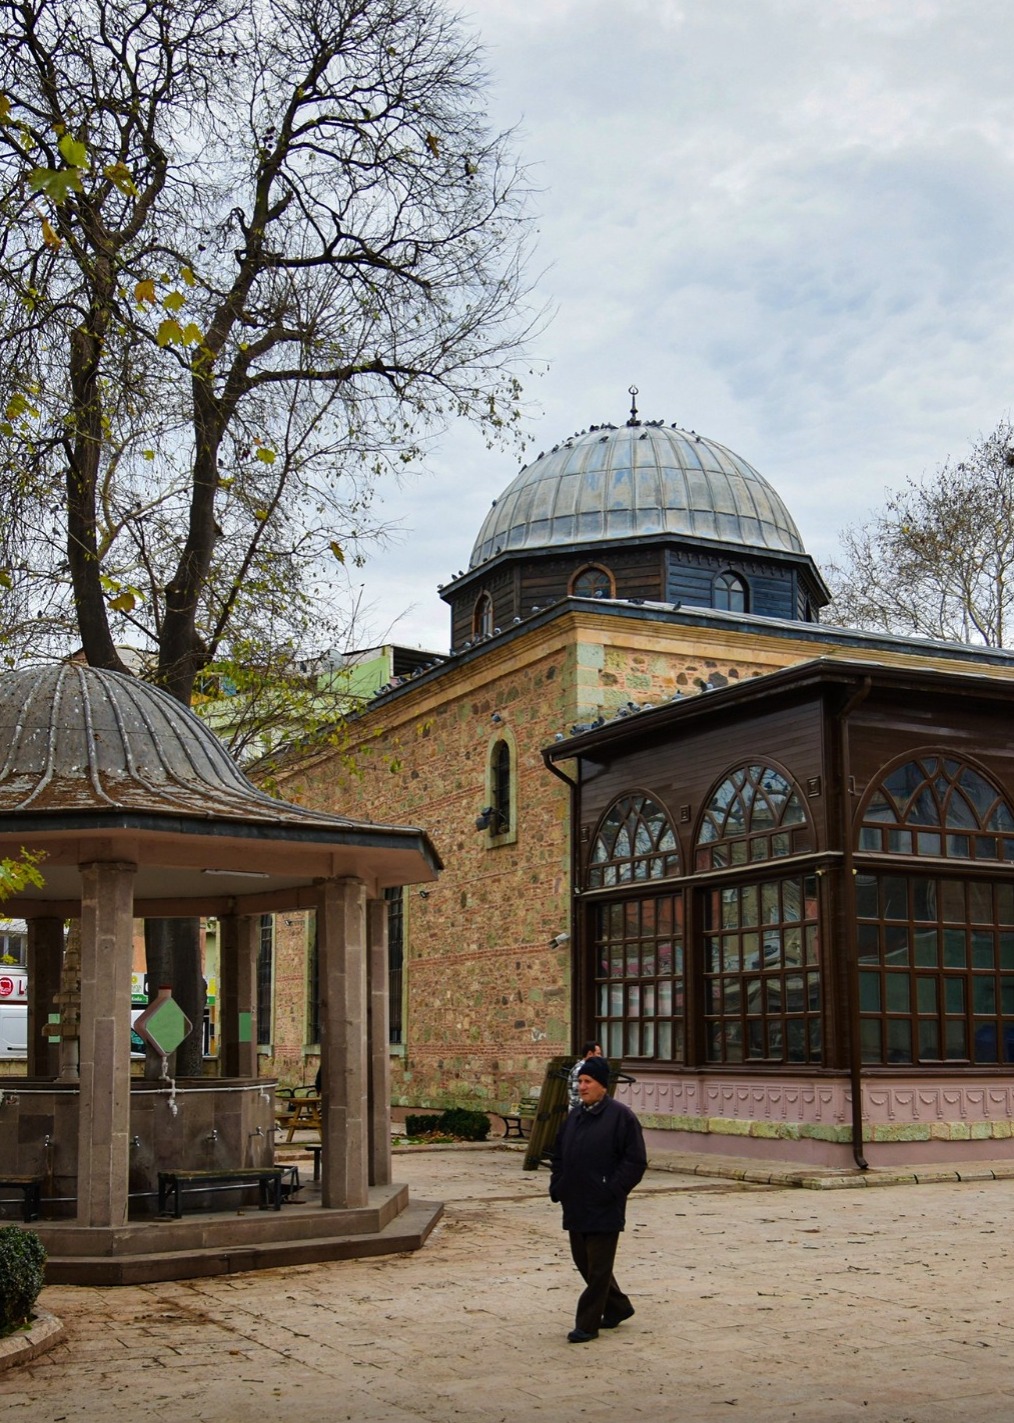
x=13, y=1029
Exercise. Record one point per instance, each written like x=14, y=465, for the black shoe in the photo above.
x=610, y=1321
x=581, y=1336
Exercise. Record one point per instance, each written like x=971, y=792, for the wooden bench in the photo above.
x=267, y=1178
x=31, y=1188
x=514, y=1122
x=315, y=1147
x=291, y=1184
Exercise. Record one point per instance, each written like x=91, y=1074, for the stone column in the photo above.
x=107, y=903
x=341, y=947
x=379, y=1091
x=239, y=940
x=45, y=959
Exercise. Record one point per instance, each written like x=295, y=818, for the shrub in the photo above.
x=460, y=1122
x=465, y=1123
x=421, y=1126
x=22, y=1257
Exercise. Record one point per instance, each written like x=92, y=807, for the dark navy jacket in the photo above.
x=597, y=1161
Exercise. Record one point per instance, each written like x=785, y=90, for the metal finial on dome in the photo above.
x=632, y=392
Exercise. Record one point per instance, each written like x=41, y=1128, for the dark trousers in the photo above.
x=594, y=1256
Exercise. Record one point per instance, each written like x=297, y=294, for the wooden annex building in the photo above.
x=795, y=910
x=637, y=662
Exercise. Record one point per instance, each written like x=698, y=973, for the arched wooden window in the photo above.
x=593, y=581
x=936, y=950
x=761, y=949
x=755, y=814
x=634, y=841
x=937, y=805
x=730, y=593
x=637, y=938
x=482, y=616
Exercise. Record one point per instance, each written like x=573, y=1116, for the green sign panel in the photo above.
x=164, y=1024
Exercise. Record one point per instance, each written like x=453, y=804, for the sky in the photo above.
x=789, y=223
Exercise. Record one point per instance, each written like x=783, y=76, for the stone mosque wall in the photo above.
x=487, y=997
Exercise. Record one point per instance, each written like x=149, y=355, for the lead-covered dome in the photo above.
x=639, y=480
x=75, y=737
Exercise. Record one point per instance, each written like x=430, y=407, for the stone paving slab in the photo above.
x=753, y=1302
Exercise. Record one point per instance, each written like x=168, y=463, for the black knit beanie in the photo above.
x=596, y=1067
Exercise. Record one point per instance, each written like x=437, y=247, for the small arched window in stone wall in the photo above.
x=593, y=581
x=500, y=785
x=754, y=815
x=634, y=842
x=482, y=616
x=730, y=593
x=939, y=806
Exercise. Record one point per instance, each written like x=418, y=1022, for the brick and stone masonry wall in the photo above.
x=487, y=995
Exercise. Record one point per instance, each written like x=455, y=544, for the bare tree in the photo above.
x=938, y=559
x=253, y=253
x=249, y=256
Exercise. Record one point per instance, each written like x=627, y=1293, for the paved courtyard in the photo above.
x=758, y=1303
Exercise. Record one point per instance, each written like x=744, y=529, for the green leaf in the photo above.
x=124, y=602
x=56, y=183
x=119, y=175
x=170, y=333
x=5, y=579
x=15, y=875
x=19, y=405
x=173, y=301
x=337, y=550
x=73, y=152
x=265, y=455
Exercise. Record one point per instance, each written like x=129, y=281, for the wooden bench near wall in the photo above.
x=267, y=1178
x=519, y=1124
x=31, y=1188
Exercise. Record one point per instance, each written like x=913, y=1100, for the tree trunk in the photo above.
x=173, y=956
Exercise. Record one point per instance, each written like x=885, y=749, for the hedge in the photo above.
x=22, y=1257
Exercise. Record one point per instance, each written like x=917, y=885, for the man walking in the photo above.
x=597, y=1161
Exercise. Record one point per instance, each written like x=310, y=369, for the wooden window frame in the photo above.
x=639, y=976
x=729, y=588
x=761, y=971
x=585, y=571
x=482, y=616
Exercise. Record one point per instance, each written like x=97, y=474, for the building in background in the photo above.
x=631, y=566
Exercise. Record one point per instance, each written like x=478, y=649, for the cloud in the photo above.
x=789, y=224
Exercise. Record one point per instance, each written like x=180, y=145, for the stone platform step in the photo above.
x=407, y=1231
x=224, y=1229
